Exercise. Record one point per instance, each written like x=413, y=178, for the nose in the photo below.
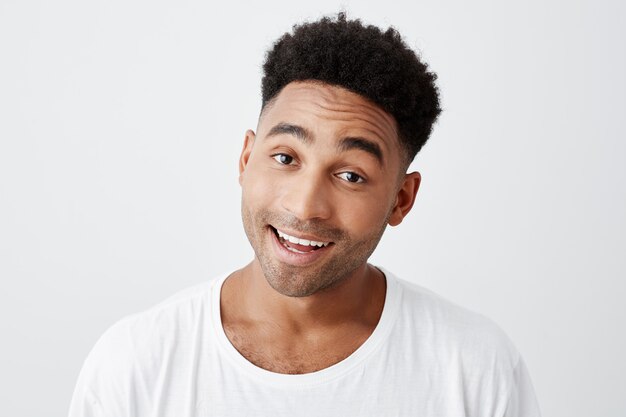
x=307, y=196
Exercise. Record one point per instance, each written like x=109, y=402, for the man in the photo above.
x=309, y=327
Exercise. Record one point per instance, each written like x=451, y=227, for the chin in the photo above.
x=296, y=284
x=292, y=285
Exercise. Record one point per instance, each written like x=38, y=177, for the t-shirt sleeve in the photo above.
x=522, y=401
x=85, y=404
x=104, y=384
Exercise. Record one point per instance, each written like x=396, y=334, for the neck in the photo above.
x=356, y=299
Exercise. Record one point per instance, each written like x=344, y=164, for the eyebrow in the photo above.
x=293, y=130
x=345, y=144
x=362, y=144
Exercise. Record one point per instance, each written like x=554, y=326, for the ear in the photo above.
x=405, y=198
x=248, y=143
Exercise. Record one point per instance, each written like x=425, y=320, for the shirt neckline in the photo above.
x=378, y=336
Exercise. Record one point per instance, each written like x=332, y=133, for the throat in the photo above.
x=279, y=353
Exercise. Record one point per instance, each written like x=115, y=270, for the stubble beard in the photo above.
x=293, y=281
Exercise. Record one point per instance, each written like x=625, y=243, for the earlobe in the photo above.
x=248, y=143
x=405, y=198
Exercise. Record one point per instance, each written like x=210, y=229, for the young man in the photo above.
x=309, y=327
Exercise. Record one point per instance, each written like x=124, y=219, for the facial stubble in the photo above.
x=348, y=254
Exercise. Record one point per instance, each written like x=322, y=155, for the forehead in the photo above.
x=331, y=110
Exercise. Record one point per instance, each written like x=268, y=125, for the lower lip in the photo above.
x=293, y=258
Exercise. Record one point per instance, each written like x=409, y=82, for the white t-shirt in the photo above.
x=426, y=357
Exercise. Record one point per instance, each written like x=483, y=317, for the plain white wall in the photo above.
x=120, y=127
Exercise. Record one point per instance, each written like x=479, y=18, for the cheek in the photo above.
x=260, y=192
x=363, y=216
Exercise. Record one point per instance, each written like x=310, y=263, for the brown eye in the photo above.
x=283, y=158
x=351, y=177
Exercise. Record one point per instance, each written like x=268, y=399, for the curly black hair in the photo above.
x=361, y=58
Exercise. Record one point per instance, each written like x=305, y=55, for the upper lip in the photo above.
x=299, y=235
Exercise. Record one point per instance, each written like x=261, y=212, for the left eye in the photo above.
x=283, y=158
x=351, y=177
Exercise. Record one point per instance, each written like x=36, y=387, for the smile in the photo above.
x=297, y=251
x=302, y=242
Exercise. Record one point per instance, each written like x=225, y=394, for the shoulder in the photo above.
x=138, y=345
x=455, y=331
x=175, y=313
x=161, y=324
x=464, y=348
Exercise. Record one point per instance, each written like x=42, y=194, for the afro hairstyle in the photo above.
x=363, y=59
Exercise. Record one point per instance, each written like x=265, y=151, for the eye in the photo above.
x=351, y=177
x=283, y=158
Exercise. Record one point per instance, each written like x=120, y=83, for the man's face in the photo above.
x=320, y=181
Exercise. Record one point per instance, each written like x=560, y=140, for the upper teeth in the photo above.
x=298, y=241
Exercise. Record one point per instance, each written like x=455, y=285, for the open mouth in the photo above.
x=297, y=245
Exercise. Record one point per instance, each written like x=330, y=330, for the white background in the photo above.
x=120, y=128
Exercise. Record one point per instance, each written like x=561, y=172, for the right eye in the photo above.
x=283, y=158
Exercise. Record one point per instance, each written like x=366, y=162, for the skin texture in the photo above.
x=292, y=314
